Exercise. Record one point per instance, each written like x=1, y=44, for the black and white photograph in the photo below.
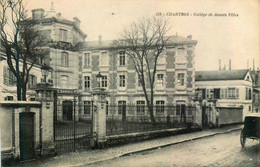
x=110, y=83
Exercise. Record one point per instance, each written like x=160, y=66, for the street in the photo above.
x=219, y=150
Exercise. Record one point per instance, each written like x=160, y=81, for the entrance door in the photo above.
x=67, y=110
x=26, y=127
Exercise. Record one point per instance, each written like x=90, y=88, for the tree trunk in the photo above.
x=150, y=108
x=24, y=89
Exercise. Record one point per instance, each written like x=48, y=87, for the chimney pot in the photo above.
x=38, y=13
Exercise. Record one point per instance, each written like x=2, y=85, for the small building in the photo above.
x=232, y=90
x=256, y=90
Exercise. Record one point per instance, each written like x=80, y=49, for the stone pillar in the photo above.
x=198, y=119
x=45, y=94
x=99, y=116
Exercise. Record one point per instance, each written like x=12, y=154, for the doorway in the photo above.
x=67, y=110
x=27, y=136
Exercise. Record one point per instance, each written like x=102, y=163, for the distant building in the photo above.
x=231, y=88
x=256, y=90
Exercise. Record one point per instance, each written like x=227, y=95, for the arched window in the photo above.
x=64, y=59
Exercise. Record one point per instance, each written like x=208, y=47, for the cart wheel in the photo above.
x=242, y=138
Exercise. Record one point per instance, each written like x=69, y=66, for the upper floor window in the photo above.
x=121, y=107
x=139, y=81
x=86, y=59
x=121, y=80
x=87, y=82
x=248, y=94
x=9, y=77
x=64, y=59
x=181, y=79
x=104, y=59
x=32, y=81
x=159, y=107
x=64, y=81
x=160, y=80
x=140, y=107
x=63, y=35
x=122, y=59
x=104, y=82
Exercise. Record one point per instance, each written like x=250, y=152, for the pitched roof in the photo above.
x=109, y=43
x=220, y=75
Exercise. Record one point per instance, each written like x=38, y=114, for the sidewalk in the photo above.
x=92, y=156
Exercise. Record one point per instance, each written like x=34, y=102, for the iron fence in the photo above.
x=131, y=119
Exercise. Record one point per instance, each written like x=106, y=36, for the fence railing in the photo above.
x=131, y=119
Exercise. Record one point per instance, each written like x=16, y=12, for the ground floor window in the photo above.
x=87, y=107
x=140, y=107
x=159, y=107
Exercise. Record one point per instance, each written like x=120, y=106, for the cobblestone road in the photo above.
x=219, y=150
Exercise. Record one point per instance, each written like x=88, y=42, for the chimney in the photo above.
x=219, y=63
x=189, y=36
x=58, y=14
x=76, y=21
x=99, y=39
x=37, y=13
x=229, y=64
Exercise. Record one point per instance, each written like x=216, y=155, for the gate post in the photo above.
x=99, y=116
x=45, y=94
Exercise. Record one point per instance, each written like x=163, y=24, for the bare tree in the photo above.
x=20, y=41
x=143, y=42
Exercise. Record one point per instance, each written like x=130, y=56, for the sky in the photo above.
x=222, y=37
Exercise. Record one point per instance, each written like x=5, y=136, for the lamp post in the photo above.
x=45, y=69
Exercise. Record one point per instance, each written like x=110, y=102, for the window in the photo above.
x=9, y=98
x=140, y=107
x=64, y=59
x=64, y=81
x=104, y=82
x=87, y=107
x=231, y=93
x=121, y=80
x=87, y=83
x=160, y=80
x=139, y=81
x=249, y=108
x=86, y=59
x=121, y=107
x=181, y=79
x=32, y=81
x=9, y=77
x=249, y=94
x=159, y=107
x=107, y=107
x=216, y=93
x=104, y=59
x=63, y=35
x=122, y=58
x=180, y=109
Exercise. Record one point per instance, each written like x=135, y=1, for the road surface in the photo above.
x=220, y=150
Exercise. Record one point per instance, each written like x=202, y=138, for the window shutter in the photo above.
x=6, y=76
x=237, y=93
x=222, y=93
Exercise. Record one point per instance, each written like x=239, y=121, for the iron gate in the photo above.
x=70, y=132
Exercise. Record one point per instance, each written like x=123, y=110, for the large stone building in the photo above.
x=75, y=64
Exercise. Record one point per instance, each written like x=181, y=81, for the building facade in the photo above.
x=232, y=90
x=75, y=64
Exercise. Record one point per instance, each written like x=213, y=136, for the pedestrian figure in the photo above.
x=217, y=117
